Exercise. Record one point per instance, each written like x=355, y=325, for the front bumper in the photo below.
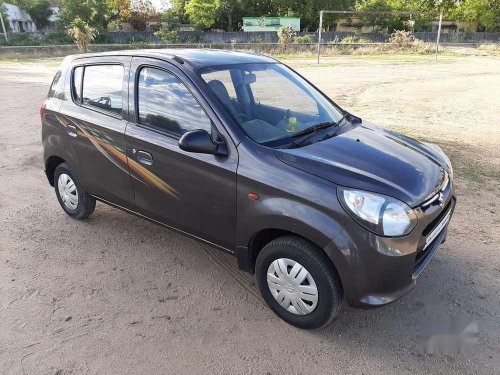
x=378, y=270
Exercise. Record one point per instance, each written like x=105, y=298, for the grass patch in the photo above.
x=467, y=163
x=475, y=171
x=50, y=62
x=490, y=48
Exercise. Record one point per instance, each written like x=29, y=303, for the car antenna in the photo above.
x=178, y=59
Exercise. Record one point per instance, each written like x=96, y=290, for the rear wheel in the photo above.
x=298, y=282
x=74, y=200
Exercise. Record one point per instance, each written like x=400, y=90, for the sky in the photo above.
x=161, y=4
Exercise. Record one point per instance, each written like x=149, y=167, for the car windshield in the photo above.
x=269, y=101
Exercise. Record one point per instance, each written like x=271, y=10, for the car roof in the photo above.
x=196, y=57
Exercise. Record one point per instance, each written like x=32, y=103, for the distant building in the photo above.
x=448, y=27
x=356, y=25
x=270, y=23
x=185, y=27
x=19, y=20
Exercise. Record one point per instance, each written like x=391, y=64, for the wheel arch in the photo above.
x=247, y=255
x=50, y=167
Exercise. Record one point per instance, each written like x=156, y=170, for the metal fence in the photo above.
x=212, y=37
x=272, y=37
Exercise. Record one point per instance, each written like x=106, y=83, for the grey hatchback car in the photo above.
x=241, y=152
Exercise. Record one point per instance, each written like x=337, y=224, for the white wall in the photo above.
x=19, y=20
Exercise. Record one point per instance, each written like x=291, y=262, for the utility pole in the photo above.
x=439, y=33
x=319, y=32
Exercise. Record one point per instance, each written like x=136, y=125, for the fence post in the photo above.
x=439, y=34
x=319, y=32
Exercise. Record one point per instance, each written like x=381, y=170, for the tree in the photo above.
x=487, y=12
x=308, y=11
x=97, y=13
x=202, y=13
x=82, y=33
x=137, y=14
x=39, y=10
x=400, y=22
x=5, y=20
x=228, y=7
x=177, y=11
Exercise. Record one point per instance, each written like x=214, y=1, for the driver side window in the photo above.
x=166, y=104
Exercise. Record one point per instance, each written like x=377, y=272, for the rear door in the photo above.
x=94, y=118
x=194, y=193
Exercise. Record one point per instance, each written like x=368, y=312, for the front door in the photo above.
x=194, y=193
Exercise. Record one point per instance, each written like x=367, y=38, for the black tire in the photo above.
x=86, y=203
x=319, y=267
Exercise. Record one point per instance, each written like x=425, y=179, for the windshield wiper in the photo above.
x=331, y=134
x=310, y=131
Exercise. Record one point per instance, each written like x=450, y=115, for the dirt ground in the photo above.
x=117, y=294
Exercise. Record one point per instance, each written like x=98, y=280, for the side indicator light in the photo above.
x=253, y=196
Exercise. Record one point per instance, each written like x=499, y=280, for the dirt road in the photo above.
x=117, y=294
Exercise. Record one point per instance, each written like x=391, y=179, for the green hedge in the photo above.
x=30, y=39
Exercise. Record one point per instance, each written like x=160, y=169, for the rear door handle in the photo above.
x=144, y=157
x=71, y=130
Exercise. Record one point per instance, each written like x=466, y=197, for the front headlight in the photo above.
x=383, y=215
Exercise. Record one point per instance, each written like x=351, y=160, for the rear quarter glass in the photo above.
x=57, y=87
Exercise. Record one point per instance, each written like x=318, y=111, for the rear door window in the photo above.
x=102, y=87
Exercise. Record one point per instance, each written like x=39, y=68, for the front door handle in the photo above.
x=144, y=157
x=71, y=130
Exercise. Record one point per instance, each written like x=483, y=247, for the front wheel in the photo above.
x=298, y=282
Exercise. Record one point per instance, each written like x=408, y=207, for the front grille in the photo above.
x=425, y=251
x=428, y=229
x=422, y=255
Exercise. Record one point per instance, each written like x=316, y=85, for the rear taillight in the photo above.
x=42, y=109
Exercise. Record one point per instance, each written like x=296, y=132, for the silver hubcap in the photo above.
x=67, y=191
x=292, y=286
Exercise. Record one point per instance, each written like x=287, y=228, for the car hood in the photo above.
x=374, y=159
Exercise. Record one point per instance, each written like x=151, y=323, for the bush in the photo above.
x=57, y=37
x=402, y=38
x=308, y=38
x=166, y=36
x=82, y=33
x=285, y=35
x=21, y=39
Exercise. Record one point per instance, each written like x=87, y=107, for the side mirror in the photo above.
x=199, y=141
